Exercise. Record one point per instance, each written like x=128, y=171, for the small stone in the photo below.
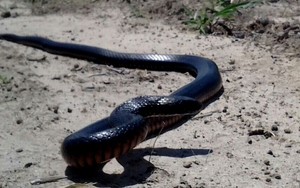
x=288, y=145
x=19, y=150
x=267, y=173
x=53, y=173
x=159, y=87
x=9, y=89
x=76, y=66
x=287, y=131
x=56, y=78
x=187, y=164
x=268, y=180
x=263, y=21
x=267, y=162
x=274, y=128
x=260, y=31
x=70, y=110
x=229, y=155
x=27, y=165
x=19, y=121
x=231, y=62
x=270, y=152
x=55, y=109
x=6, y=14
x=151, y=80
x=277, y=176
x=84, y=110
x=239, y=35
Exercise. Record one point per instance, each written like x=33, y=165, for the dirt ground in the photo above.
x=250, y=137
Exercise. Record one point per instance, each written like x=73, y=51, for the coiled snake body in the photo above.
x=140, y=118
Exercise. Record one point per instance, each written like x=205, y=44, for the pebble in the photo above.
x=260, y=31
x=70, y=110
x=56, y=78
x=268, y=180
x=270, y=152
x=274, y=128
x=19, y=121
x=9, y=89
x=187, y=164
x=53, y=173
x=55, y=119
x=6, y=14
x=277, y=176
x=267, y=162
x=267, y=173
x=184, y=183
x=288, y=145
x=229, y=155
x=19, y=150
x=239, y=35
x=225, y=109
x=55, y=109
x=84, y=110
x=287, y=131
x=249, y=141
x=27, y=165
x=231, y=62
x=263, y=21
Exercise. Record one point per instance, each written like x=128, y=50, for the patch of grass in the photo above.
x=208, y=17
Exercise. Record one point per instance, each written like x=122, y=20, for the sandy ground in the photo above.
x=45, y=97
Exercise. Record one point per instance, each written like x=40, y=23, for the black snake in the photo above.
x=140, y=118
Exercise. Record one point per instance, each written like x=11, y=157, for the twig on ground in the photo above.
x=206, y=114
x=47, y=180
x=119, y=71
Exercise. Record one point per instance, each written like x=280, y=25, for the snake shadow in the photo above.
x=136, y=168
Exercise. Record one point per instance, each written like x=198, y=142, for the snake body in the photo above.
x=137, y=119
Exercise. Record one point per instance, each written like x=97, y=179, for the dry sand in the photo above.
x=45, y=97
